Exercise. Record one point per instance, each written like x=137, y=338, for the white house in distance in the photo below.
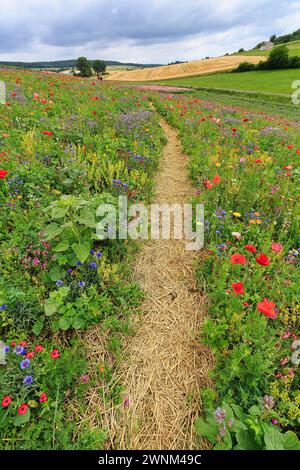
x=267, y=46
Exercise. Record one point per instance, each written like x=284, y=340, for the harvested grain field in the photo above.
x=187, y=69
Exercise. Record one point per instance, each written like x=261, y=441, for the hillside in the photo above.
x=293, y=47
x=186, y=69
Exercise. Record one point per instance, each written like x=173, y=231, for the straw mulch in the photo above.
x=164, y=366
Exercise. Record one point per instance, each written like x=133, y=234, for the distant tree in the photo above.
x=99, y=66
x=273, y=38
x=241, y=50
x=84, y=66
x=279, y=58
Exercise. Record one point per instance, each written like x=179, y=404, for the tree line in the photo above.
x=278, y=59
x=87, y=67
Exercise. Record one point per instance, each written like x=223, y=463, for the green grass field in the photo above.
x=293, y=47
x=267, y=81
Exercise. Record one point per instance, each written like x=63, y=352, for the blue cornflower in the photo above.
x=18, y=350
x=81, y=284
x=70, y=271
x=99, y=255
x=6, y=349
x=92, y=252
x=24, y=364
x=3, y=307
x=79, y=263
x=28, y=380
x=59, y=283
x=93, y=265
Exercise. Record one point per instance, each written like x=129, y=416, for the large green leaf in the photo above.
x=50, y=307
x=291, y=441
x=246, y=440
x=274, y=439
x=58, y=212
x=62, y=246
x=51, y=231
x=82, y=251
x=208, y=430
x=87, y=217
x=21, y=419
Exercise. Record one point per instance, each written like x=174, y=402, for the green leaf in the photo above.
x=58, y=212
x=291, y=441
x=64, y=323
x=87, y=218
x=274, y=439
x=62, y=246
x=50, y=307
x=246, y=440
x=82, y=251
x=21, y=419
x=38, y=326
x=208, y=430
x=239, y=412
x=56, y=274
x=78, y=323
x=33, y=404
x=51, y=231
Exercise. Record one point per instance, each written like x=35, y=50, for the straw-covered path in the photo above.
x=164, y=365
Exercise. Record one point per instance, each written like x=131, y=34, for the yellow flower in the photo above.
x=236, y=214
x=218, y=164
x=251, y=222
x=259, y=222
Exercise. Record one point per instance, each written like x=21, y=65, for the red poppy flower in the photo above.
x=55, y=354
x=216, y=179
x=22, y=410
x=6, y=401
x=290, y=146
x=246, y=304
x=238, y=288
x=276, y=247
x=23, y=344
x=43, y=398
x=267, y=308
x=238, y=259
x=3, y=174
x=30, y=355
x=39, y=348
x=208, y=184
x=250, y=248
x=263, y=260
x=48, y=133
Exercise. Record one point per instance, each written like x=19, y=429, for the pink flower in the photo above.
x=237, y=235
x=284, y=361
x=276, y=247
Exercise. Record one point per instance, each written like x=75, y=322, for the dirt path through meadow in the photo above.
x=164, y=366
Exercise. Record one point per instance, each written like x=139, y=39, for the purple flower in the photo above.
x=79, y=263
x=24, y=364
x=220, y=415
x=6, y=349
x=81, y=284
x=3, y=307
x=28, y=380
x=268, y=402
x=70, y=271
x=92, y=252
x=93, y=265
x=99, y=255
x=274, y=421
x=59, y=283
x=18, y=350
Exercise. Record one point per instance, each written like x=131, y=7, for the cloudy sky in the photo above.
x=145, y=31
